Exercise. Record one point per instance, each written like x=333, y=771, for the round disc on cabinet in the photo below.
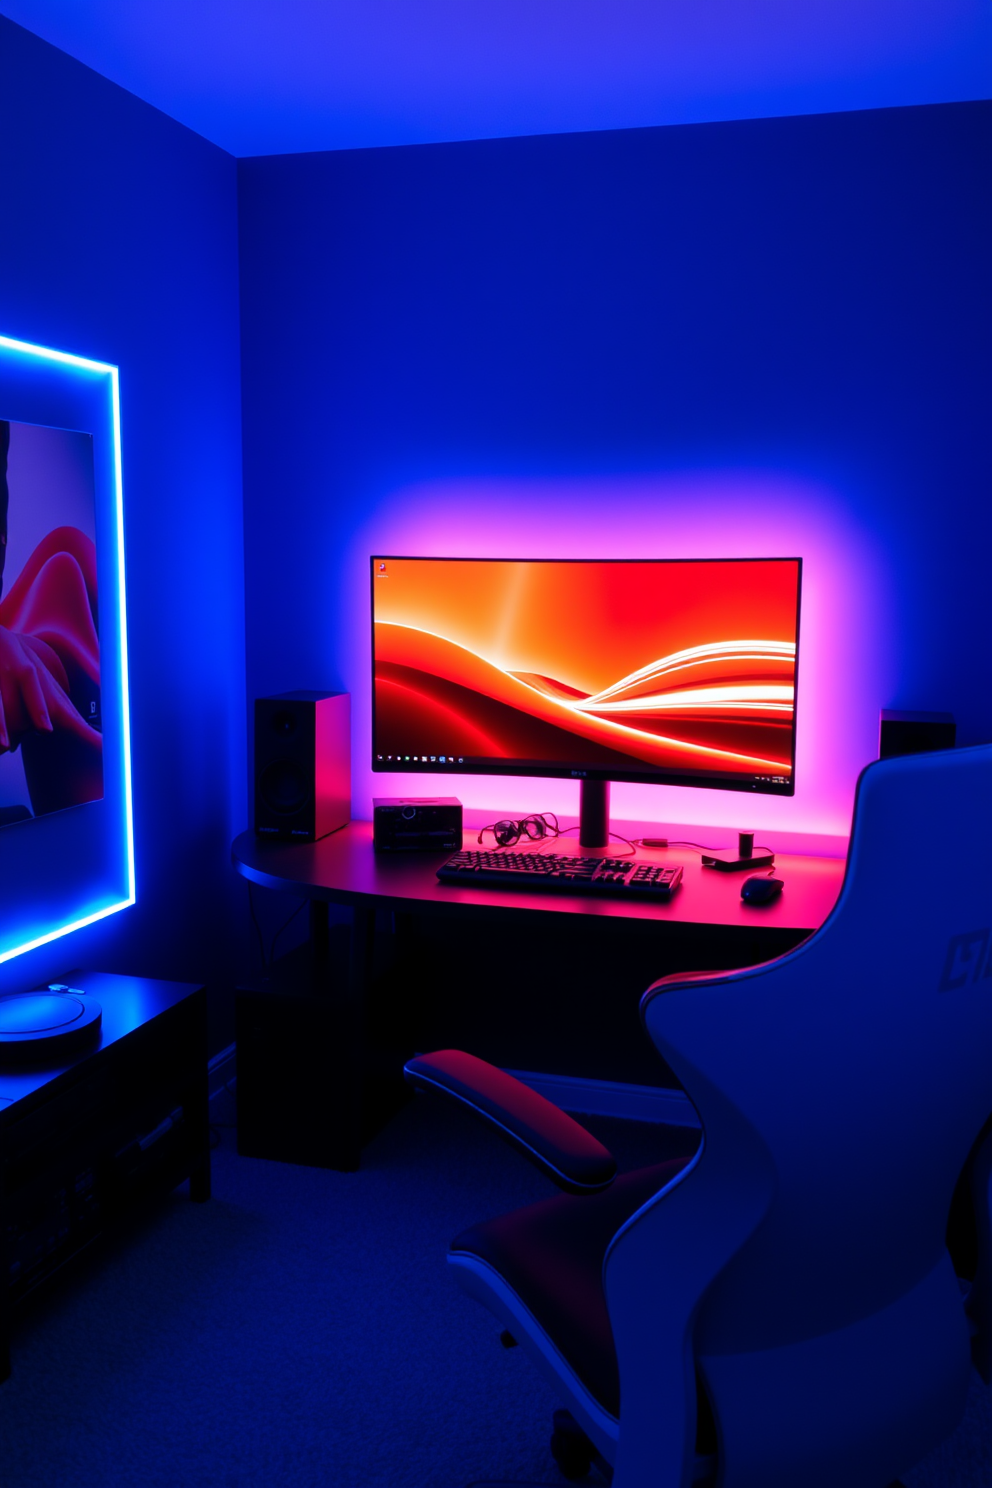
x=44, y=1026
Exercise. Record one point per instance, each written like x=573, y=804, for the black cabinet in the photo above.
x=83, y=1143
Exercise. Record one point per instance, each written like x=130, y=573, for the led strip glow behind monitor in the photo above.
x=668, y=671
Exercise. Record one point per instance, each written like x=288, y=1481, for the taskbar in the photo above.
x=620, y=770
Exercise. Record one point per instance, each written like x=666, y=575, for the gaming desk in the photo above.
x=343, y=869
x=528, y=980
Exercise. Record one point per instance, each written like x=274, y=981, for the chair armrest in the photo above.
x=563, y=1150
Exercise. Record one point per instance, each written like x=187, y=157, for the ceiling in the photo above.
x=262, y=77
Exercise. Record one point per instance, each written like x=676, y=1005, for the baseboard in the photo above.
x=583, y=1097
x=611, y=1098
x=222, y=1070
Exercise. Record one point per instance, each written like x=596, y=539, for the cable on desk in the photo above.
x=540, y=826
x=658, y=842
x=616, y=835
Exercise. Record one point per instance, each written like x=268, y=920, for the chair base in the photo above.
x=573, y=1451
x=576, y=1456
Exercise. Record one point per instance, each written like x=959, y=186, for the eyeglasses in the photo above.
x=506, y=833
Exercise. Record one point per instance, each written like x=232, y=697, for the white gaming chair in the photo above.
x=782, y=1307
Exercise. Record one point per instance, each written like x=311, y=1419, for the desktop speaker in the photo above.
x=416, y=823
x=914, y=733
x=302, y=765
x=46, y=1026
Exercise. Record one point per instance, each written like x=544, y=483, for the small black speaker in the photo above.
x=302, y=764
x=416, y=823
x=914, y=733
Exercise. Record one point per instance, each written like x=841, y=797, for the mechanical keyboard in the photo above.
x=530, y=870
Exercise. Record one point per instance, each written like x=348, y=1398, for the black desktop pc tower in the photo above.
x=914, y=733
x=302, y=765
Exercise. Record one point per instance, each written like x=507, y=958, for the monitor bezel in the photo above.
x=692, y=779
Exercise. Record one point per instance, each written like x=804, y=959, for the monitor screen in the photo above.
x=671, y=670
x=51, y=740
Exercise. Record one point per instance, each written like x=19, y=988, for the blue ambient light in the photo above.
x=63, y=871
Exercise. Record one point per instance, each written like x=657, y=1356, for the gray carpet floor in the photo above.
x=301, y=1331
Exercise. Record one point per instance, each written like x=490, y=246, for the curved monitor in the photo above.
x=670, y=671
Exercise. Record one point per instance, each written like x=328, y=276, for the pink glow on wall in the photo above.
x=846, y=660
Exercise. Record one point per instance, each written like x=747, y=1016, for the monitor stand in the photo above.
x=594, y=817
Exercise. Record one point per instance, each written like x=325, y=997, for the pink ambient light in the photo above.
x=845, y=650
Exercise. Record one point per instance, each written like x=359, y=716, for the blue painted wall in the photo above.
x=119, y=242
x=769, y=333
x=762, y=333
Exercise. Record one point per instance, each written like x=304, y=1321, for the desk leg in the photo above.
x=320, y=943
x=360, y=967
x=350, y=1014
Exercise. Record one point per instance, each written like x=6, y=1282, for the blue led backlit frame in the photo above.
x=69, y=869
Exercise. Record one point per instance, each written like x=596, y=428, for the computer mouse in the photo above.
x=760, y=890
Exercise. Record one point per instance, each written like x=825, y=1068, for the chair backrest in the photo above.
x=844, y=1084
x=863, y=1059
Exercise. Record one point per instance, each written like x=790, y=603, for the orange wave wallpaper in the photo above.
x=629, y=667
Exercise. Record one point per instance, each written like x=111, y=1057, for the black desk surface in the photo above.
x=125, y=1003
x=343, y=868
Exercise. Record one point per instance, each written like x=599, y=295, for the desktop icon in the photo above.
x=442, y=759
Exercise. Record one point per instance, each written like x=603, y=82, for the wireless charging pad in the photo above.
x=42, y=1027
x=744, y=859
